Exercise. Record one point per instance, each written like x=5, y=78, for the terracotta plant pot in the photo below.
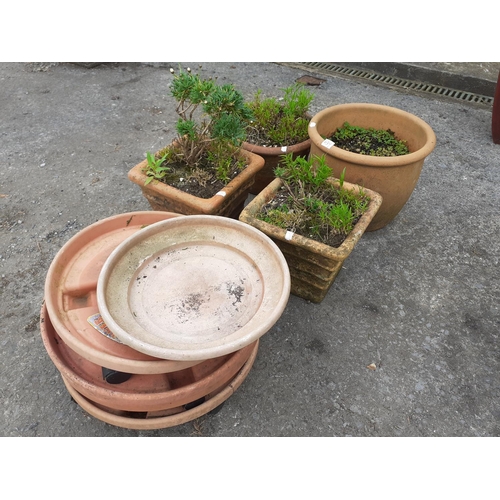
x=313, y=265
x=71, y=295
x=166, y=418
x=393, y=177
x=192, y=288
x=272, y=159
x=140, y=392
x=228, y=202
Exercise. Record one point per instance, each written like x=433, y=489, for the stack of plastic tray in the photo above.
x=108, y=379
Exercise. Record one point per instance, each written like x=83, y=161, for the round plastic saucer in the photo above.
x=164, y=419
x=193, y=287
x=70, y=294
x=140, y=393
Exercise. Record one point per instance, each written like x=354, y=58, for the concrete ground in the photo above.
x=418, y=298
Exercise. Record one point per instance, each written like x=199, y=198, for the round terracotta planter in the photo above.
x=71, y=295
x=192, y=288
x=394, y=177
x=140, y=393
x=165, y=418
x=272, y=156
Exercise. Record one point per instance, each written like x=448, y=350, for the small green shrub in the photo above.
x=155, y=169
x=310, y=205
x=368, y=141
x=210, y=129
x=280, y=121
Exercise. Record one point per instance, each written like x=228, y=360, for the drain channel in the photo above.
x=402, y=83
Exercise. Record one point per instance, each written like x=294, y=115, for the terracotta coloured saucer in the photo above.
x=193, y=287
x=167, y=418
x=139, y=393
x=70, y=295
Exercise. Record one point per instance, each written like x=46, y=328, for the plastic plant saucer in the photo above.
x=165, y=419
x=152, y=392
x=193, y=287
x=70, y=294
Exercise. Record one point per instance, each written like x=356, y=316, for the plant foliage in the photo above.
x=310, y=204
x=368, y=141
x=280, y=121
x=155, y=169
x=210, y=128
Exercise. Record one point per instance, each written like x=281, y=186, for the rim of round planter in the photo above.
x=71, y=289
x=152, y=392
x=376, y=161
x=276, y=150
x=150, y=422
x=195, y=287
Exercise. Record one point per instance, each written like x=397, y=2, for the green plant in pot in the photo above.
x=279, y=126
x=368, y=141
x=315, y=219
x=204, y=170
x=394, y=176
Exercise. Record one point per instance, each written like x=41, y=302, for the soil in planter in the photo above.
x=368, y=141
x=200, y=181
x=302, y=222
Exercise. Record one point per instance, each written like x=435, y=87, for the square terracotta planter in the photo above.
x=313, y=265
x=228, y=202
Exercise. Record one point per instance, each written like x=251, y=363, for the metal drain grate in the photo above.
x=402, y=83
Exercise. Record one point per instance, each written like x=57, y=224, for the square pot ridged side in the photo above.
x=313, y=265
x=228, y=202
